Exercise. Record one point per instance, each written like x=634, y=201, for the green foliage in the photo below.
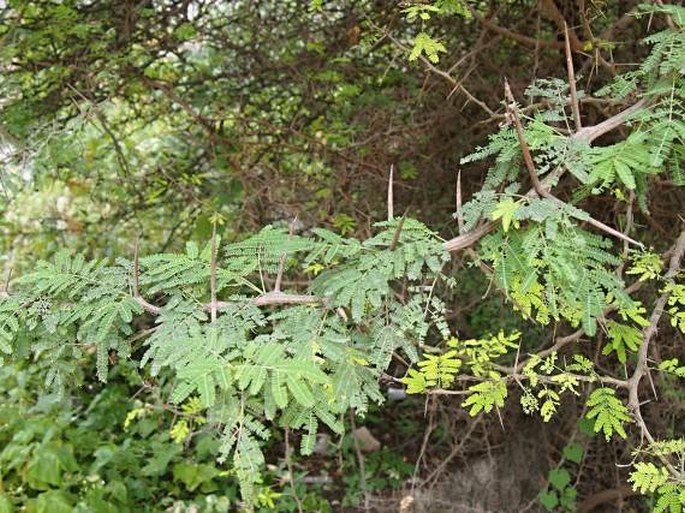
x=425, y=44
x=622, y=338
x=485, y=396
x=73, y=455
x=141, y=127
x=574, y=452
x=676, y=304
x=434, y=371
x=608, y=412
x=556, y=270
x=476, y=355
x=298, y=365
x=647, y=477
x=647, y=264
x=506, y=211
x=562, y=494
x=665, y=482
x=622, y=162
x=672, y=366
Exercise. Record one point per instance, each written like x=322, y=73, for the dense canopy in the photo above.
x=246, y=241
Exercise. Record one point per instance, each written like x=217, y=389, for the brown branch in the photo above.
x=459, y=213
x=554, y=14
x=273, y=299
x=586, y=134
x=539, y=189
x=520, y=38
x=469, y=239
x=518, y=126
x=584, y=22
x=575, y=106
x=391, y=200
x=603, y=497
x=641, y=368
x=590, y=133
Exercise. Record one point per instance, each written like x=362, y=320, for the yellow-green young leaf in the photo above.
x=672, y=366
x=648, y=265
x=180, y=431
x=485, y=396
x=416, y=382
x=622, y=337
x=424, y=44
x=608, y=412
x=547, y=410
x=506, y=211
x=647, y=477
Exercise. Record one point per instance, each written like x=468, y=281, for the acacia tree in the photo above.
x=228, y=332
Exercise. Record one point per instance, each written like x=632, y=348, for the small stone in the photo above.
x=367, y=442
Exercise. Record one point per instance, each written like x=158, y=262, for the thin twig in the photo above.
x=398, y=231
x=7, y=271
x=291, y=474
x=575, y=106
x=459, y=214
x=212, y=276
x=520, y=38
x=391, y=200
x=454, y=453
x=360, y=460
x=455, y=83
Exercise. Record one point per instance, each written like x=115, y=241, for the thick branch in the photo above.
x=641, y=368
x=520, y=38
x=272, y=299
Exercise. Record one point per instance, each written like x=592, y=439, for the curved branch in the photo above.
x=642, y=369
